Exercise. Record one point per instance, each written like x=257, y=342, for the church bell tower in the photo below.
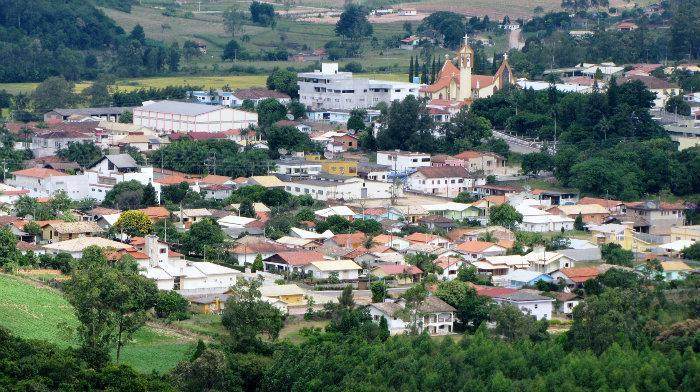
x=466, y=58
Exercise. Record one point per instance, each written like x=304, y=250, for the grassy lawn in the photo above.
x=152, y=350
x=35, y=312
x=203, y=324
x=291, y=330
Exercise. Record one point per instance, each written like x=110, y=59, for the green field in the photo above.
x=32, y=311
x=235, y=81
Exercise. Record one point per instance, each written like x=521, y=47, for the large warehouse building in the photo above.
x=174, y=116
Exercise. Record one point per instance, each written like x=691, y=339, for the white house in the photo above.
x=76, y=246
x=185, y=276
x=403, y=161
x=477, y=250
x=47, y=143
x=535, y=305
x=434, y=316
x=536, y=220
x=328, y=88
x=297, y=167
x=235, y=99
x=332, y=187
x=445, y=181
x=174, y=116
x=346, y=269
x=547, y=262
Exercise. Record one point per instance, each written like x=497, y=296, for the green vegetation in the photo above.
x=34, y=312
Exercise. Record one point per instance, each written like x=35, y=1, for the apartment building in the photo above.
x=328, y=88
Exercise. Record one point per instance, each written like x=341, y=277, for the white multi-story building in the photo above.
x=174, y=116
x=332, y=187
x=403, y=161
x=434, y=316
x=446, y=181
x=535, y=305
x=329, y=88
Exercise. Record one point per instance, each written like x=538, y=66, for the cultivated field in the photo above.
x=32, y=311
x=234, y=81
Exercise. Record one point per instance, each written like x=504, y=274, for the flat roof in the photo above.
x=177, y=107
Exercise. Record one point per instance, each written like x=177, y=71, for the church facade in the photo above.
x=458, y=85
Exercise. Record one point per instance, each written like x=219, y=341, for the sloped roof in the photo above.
x=76, y=227
x=215, y=179
x=336, y=265
x=580, y=274
x=423, y=237
x=475, y=246
x=38, y=172
x=259, y=93
x=79, y=244
x=300, y=257
x=398, y=269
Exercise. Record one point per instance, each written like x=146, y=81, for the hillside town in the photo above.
x=336, y=230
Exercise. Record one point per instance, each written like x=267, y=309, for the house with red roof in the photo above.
x=487, y=162
x=425, y=238
x=445, y=181
x=246, y=253
x=477, y=250
x=576, y=276
x=401, y=273
x=292, y=261
x=36, y=180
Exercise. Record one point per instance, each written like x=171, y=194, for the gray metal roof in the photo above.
x=122, y=161
x=520, y=296
x=183, y=108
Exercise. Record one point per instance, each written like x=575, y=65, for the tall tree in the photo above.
x=246, y=316
x=110, y=301
x=54, y=92
x=410, y=70
x=353, y=23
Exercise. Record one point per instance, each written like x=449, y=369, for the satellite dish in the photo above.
x=328, y=155
x=282, y=151
x=290, y=117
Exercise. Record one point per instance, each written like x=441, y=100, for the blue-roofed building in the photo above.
x=521, y=277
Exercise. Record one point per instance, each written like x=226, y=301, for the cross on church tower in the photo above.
x=466, y=39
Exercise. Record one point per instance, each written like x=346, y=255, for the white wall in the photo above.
x=404, y=162
x=215, y=121
x=539, y=309
x=396, y=326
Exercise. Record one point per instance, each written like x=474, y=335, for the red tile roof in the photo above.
x=474, y=246
x=607, y=203
x=214, y=179
x=580, y=274
x=353, y=240
x=443, y=171
x=156, y=213
x=422, y=237
x=175, y=180
x=394, y=269
x=300, y=257
x=488, y=291
x=38, y=172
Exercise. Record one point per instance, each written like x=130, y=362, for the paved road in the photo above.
x=515, y=39
x=516, y=144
